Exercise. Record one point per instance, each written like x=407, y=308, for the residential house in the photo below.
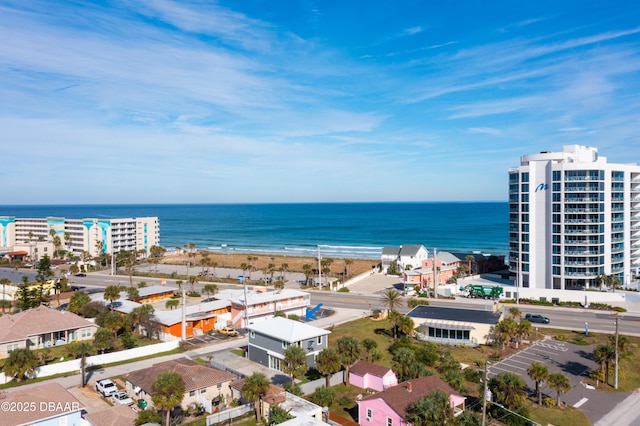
x=408, y=256
x=44, y=405
x=422, y=277
x=268, y=340
x=367, y=375
x=204, y=384
x=117, y=415
x=261, y=304
x=200, y=318
x=389, y=407
x=42, y=327
x=275, y=395
x=453, y=326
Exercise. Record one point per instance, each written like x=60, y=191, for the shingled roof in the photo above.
x=118, y=415
x=400, y=397
x=195, y=376
x=40, y=320
x=38, y=396
x=361, y=368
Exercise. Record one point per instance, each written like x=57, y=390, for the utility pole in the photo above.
x=319, y=270
x=184, y=317
x=615, y=380
x=484, y=395
x=435, y=275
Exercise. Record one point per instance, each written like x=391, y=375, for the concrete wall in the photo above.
x=310, y=387
x=74, y=365
x=567, y=295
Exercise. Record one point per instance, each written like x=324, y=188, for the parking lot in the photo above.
x=575, y=361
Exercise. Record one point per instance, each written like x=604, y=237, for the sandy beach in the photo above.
x=261, y=261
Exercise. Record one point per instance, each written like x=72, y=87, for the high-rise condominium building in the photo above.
x=40, y=236
x=573, y=218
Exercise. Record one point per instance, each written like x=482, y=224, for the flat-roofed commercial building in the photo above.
x=41, y=236
x=573, y=217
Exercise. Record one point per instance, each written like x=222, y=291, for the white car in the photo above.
x=121, y=398
x=106, y=387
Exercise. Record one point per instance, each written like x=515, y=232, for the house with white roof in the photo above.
x=261, y=304
x=268, y=340
x=408, y=256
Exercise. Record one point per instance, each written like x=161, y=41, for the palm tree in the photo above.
x=623, y=341
x=405, y=325
x=560, y=383
x=193, y=280
x=369, y=346
x=508, y=389
x=284, y=267
x=214, y=265
x=21, y=364
x=308, y=272
x=172, y=303
x=210, y=289
x=179, y=284
x=295, y=362
x=255, y=386
x=523, y=329
x=469, y=258
x=349, y=352
x=4, y=282
x=347, y=266
x=112, y=293
x=434, y=409
x=515, y=313
x=505, y=330
x=82, y=350
x=168, y=391
x=538, y=373
x=603, y=280
x=391, y=299
x=327, y=363
x=604, y=355
x=403, y=358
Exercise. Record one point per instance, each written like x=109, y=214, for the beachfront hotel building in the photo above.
x=33, y=236
x=573, y=217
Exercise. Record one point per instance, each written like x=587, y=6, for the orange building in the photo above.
x=199, y=319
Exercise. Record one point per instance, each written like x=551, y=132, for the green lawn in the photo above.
x=567, y=416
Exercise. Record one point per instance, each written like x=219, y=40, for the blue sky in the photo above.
x=159, y=101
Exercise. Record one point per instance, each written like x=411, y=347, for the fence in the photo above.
x=227, y=415
x=310, y=387
x=74, y=365
x=223, y=367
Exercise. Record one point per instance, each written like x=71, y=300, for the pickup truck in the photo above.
x=106, y=387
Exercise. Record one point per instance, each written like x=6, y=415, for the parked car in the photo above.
x=121, y=398
x=228, y=331
x=106, y=387
x=536, y=318
x=81, y=274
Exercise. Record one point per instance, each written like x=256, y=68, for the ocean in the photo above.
x=342, y=230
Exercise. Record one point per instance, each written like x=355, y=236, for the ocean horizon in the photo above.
x=341, y=230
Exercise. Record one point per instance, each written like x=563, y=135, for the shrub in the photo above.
x=472, y=375
x=294, y=317
x=193, y=295
x=412, y=303
x=548, y=402
x=560, y=337
x=495, y=356
x=376, y=313
x=344, y=290
x=619, y=309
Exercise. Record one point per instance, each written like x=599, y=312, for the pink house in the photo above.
x=389, y=407
x=366, y=375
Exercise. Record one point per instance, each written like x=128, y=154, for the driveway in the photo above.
x=575, y=361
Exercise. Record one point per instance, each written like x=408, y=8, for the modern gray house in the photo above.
x=269, y=339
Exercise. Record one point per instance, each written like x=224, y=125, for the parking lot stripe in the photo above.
x=579, y=403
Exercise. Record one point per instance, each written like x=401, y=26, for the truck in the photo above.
x=484, y=291
x=106, y=387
